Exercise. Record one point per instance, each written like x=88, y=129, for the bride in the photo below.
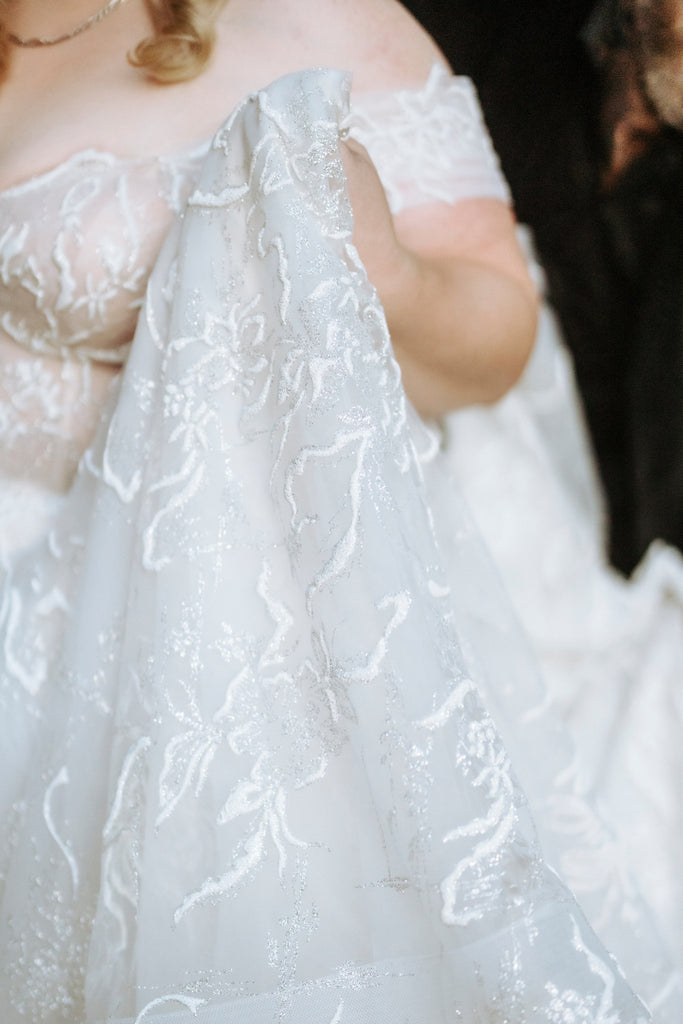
x=252, y=647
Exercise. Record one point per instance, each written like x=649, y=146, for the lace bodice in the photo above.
x=76, y=247
x=77, y=244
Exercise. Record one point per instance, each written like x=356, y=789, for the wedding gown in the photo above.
x=257, y=663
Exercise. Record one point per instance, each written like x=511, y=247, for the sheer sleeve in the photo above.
x=429, y=144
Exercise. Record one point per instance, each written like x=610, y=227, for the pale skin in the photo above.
x=460, y=306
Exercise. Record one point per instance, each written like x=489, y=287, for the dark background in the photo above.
x=614, y=260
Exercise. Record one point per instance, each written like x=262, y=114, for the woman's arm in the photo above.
x=460, y=305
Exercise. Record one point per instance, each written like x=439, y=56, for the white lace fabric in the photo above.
x=247, y=771
x=76, y=247
x=429, y=145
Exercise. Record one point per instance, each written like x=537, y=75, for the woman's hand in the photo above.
x=460, y=306
x=374, y=233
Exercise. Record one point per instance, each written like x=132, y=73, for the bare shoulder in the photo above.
x=382, y=43
x=378, y=41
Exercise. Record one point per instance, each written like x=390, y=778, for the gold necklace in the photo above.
x=52, y=41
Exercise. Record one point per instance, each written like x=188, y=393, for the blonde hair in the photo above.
x=182, y=43
x=183, y=40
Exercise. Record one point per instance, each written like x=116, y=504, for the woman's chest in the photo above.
x=76, y=247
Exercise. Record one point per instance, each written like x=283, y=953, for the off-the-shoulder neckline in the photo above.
x=103, y=157
x=196, y=149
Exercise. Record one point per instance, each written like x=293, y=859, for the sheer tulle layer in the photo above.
x=610, y=649
x=439, y=989
x=251, y=773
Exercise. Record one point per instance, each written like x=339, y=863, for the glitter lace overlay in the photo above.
x=76, y=247
x=248, y=774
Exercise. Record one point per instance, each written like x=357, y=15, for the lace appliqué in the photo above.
x=429, y=145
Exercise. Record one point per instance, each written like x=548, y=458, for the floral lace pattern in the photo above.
x=73, y=278
x=429, y=144
x=248, y=772
x=76, y=247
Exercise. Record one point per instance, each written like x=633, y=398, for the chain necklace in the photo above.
x=52, y=41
